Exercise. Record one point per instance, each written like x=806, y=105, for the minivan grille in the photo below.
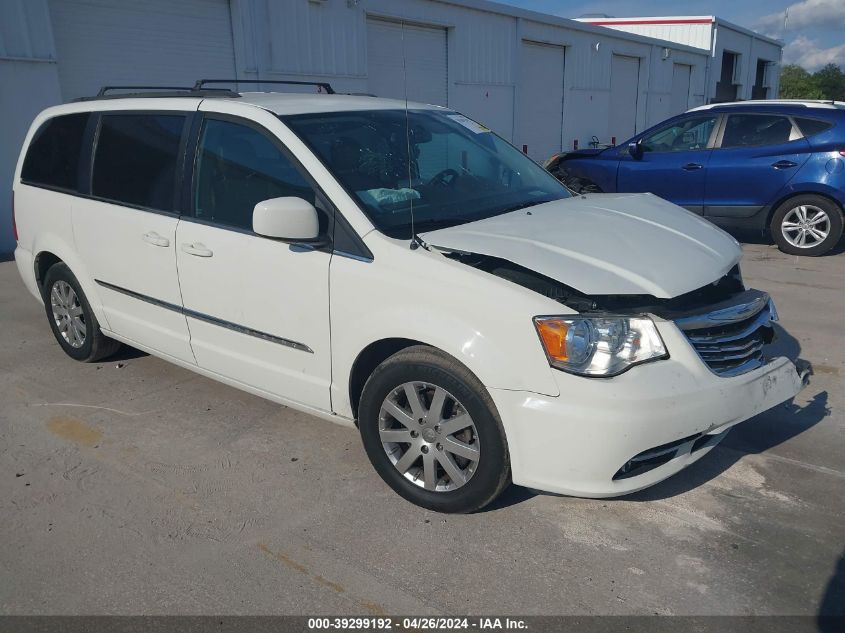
x=731, y=340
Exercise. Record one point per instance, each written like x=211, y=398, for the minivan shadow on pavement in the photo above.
x=832, y=608
x=125, y=353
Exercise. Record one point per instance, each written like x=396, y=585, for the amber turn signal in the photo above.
x=553, y=334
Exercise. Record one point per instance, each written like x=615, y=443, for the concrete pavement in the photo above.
x=134, y=486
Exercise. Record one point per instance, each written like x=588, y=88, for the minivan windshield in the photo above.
x=438, y=164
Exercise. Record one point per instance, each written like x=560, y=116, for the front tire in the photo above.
x=432, y=432
x=807, y=225
x=71, y=318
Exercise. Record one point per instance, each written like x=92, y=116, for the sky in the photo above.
x=814, y=35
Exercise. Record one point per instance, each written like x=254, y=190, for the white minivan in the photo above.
x=400, y=268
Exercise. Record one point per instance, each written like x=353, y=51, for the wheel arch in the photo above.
x=52, y=249
x=379, y=351
x=366, y=362
x=42, y=262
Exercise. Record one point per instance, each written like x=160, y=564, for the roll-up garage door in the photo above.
x=624, y=82
x=540, y=100
x=425, y=56
x=155, y=42
x=680, y=88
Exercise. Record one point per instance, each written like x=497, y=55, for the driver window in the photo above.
x=238, y=167
x=682, y=136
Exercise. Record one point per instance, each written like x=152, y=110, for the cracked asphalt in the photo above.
x=132, y=486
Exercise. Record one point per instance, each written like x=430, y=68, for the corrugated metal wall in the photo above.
x=103, y=42
x=487, y=76
x=715, y=36
x=29, y=82
x=321, y=40
x=696, y=35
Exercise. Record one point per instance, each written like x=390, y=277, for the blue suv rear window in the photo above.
x=811, y=127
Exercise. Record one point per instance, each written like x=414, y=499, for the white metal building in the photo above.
x=742, y=65
x=538, y=80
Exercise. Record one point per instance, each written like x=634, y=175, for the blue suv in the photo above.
x=766, y=165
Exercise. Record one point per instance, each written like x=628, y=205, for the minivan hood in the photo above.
x=603, y=244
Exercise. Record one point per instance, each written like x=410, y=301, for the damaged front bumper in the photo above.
x=611, y=437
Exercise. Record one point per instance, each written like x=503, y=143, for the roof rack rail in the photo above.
x=106, y=89
x=157, y=92
x=322, y=85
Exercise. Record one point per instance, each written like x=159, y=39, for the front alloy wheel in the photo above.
x=432, y=431
x=429, y=436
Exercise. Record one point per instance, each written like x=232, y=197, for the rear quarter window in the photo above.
x=756, y=130
x=52, y=159
x=811, y=127
x=135, y=159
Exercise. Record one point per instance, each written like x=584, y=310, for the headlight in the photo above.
x=599, y=346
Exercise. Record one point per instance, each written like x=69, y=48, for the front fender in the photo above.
x=481, y=320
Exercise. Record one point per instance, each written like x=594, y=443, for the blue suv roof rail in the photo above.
x=800, y=103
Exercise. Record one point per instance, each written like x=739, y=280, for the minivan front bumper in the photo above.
x=611, y=437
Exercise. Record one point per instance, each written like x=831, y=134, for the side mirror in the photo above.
x=287, y=219
x=636, y=149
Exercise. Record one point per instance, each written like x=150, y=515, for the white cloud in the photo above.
x=807, y=13
x=807, y=54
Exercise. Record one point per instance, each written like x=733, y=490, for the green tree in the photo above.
x=797, y=83
x=831, y=82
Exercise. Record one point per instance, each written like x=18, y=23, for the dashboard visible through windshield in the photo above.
x=437, y=165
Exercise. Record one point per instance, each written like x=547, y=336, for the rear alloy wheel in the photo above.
x=71, y=319
x=807, y=225
x=432, y=432
x=67, y=314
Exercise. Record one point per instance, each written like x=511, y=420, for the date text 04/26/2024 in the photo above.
x=416, y=623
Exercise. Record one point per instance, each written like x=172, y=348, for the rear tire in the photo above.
x=71, y=318
x=808, y=225
x=446, y=450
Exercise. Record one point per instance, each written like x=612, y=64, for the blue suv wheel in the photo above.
x=807, y=225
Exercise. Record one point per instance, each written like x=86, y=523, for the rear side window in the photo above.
x=52, y=159
x=238, y=167
x=136, y=159
x=811, y=127
x=754, y=130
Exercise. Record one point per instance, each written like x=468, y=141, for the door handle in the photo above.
x=692, y=167
x=197, y=249
x=784, y=164
x=155, y=239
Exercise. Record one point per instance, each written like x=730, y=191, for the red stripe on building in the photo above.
x=646, y=22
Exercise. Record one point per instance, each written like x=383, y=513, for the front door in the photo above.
x=126, y=231
x=757, y=157
x=673, y=163
x=257, y=308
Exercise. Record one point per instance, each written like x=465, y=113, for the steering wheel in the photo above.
x=445, y=178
